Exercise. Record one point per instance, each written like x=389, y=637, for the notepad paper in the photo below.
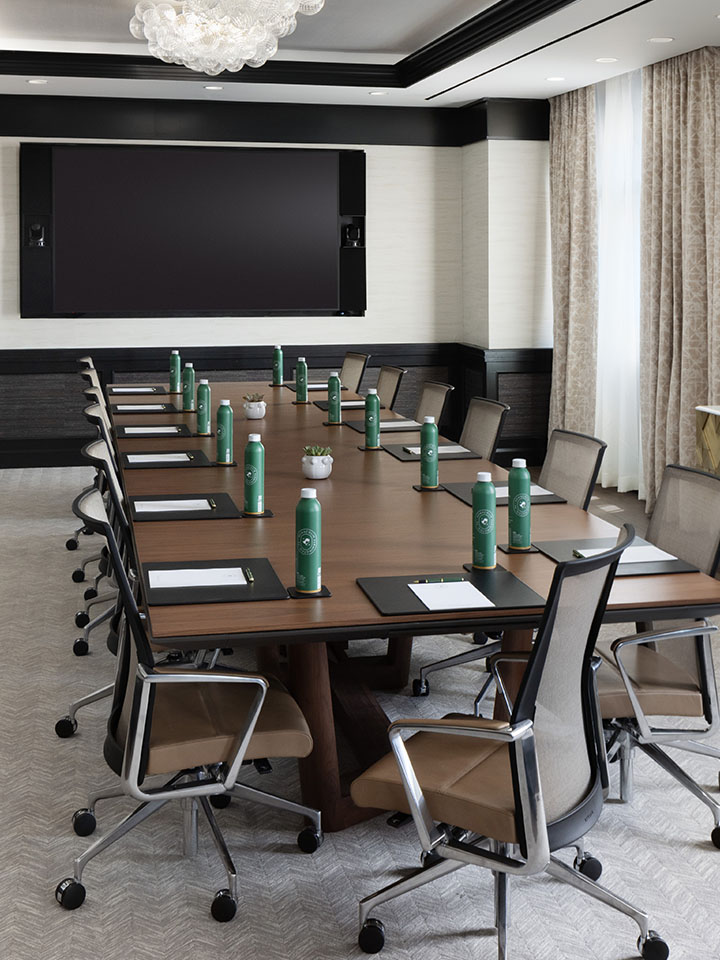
x=132, y=389
x=139, y=431
x=194, y=577
x=352, y=403
x=128, y=407
x=157, y=457
x=461, y=595
x=641, y=554
x=501, y=490
x=447, y=448
x=170, y=506
x=398, y=424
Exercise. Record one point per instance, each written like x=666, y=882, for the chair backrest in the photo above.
x=388, y=385
x=353, y=369
x=556, y=691
x=483, y=423
x=571, y=466
x=91, y=375
x=97, y=415
x=85, y=362
x=432, y=400
x=98, y=452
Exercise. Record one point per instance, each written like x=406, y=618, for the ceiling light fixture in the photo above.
x=555, y=79
x=36, y=81
x=661, y=39
x=210, y=36
x=606, y=60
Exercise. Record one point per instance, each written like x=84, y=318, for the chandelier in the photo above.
x=215, y=35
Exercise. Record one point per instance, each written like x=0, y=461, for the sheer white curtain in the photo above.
x=617, y=415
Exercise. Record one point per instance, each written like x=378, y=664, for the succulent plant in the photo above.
x=313, y=450
x=253, y=397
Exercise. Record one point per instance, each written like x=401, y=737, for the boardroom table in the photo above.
x=374, y=524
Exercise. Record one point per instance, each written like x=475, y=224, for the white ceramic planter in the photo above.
x=254, y=410
x=317, y=468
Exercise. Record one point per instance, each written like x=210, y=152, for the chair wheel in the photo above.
x=65, y=727
x=589, y=867
x=71, y=544
x=220, y=800
x=654, y=947
x=715, y=837
x=70, y=894
x=78, y=575
x=371, y=938
x=309, y=840
x=420, y=688
x=90, y=593
x=82, y=618
x=84, y=822
x=81, y=647
x=223, y=907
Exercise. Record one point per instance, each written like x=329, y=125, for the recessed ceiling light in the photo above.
x=555, y=79
x=661, y=39
x=36, y=81
x=378, y=93
x=213, y=86
x=606, y=60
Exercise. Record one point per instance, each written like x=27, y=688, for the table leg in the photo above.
x=513, y=641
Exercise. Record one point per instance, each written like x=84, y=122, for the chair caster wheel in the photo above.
x=84, y=822
x=71, y=544
x=309, y=840
x=78, y=575
x=82, y=619
x=65, y=727
x=589, y=867
x=81, y=647
x=90, y=593
x=654, y=947
x=420, y=688
x=70, y=894
x=371, y=938
x=223, y=907
x=220, y=800
x=715, y=837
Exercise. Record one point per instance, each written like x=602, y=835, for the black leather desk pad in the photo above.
x=397, y=450
x=198, y=460
x=291, y=385
x=166, y=408
x=266, y=586
x=359, y=425
x=142, y=390
x=182, y=431
x=325, y=405
x=393, y=597
x=561, y=550
x=463, y=491
x=224, y=509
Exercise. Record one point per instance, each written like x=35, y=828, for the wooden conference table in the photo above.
x=373, y=524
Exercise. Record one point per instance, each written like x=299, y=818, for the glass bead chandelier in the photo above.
x=215, y=35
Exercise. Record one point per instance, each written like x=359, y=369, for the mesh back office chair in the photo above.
x=528, y=786
x=388, y=385
x=353, y=369
x=483, y=423
x=72, y=542
x=669, y=671
x=432, y=400
x=195, y=727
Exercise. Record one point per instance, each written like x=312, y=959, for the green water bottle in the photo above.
x=301, y=381
x=188, y=388
x=277, y=366
x=429, y=454
x=254, y=475
x=372, y=420
x=225, y=433
x=519, y=506
x=308, y=523
x=484, y=504
x=334, y=405
x=203, y=409
x=175, y=381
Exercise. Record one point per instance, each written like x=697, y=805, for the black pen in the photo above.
x=442, y=580
x=249, y=575
x=212, y=503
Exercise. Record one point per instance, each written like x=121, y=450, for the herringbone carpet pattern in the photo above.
x=146, y=901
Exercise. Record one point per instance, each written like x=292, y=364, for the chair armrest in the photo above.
x=480, y=727
x=703, y=629
x=521, y=656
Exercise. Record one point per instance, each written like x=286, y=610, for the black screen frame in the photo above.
x=37, y=259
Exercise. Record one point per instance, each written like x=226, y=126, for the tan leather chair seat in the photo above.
x=663, y=688
x=195, y=724
x=467, y=782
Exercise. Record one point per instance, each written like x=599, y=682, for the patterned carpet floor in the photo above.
x=144, y=900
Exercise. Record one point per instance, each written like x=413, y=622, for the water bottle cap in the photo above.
x=372, y=391
x=484, y=477
x=188, y=364
x=519, y=462
x=224, y=403
x=253, y=438
x=278, y=347
x=176, y=352
x=308, y=493
x=428, y=419
x=204, y=381
x=334, y=373
x=301, y=359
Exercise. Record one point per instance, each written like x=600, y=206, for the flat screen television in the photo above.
x=161, y=231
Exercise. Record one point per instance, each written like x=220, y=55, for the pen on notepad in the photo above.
x=212, y=503
x=190, y=456
x=249, y=575
x=578, y=553
x=442, y=580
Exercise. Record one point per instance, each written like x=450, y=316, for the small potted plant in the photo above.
x=317, y=462
x=254, y=406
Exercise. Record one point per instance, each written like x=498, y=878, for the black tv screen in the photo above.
x=182, y=231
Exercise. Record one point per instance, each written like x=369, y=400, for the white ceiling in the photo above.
x=381, y=31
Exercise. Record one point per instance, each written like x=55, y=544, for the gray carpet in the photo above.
x=146, y=901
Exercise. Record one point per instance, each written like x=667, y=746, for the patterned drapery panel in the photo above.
x=573, y=225
x=680, y=298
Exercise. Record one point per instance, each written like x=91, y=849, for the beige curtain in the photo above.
x=680, y=298
x=573, y=226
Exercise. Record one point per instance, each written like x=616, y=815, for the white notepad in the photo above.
x=131, y=407
x=398, y=424
x=501, y=490
x=157, y=457
x=170, y=506
x=448, y=448
x=641, y=554
x=461, y=595
x=352, y=403
x=132, y=389
x=194, y=577
x=139, y=431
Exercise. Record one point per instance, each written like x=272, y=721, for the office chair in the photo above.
x=505, y=795
x=194, y=728
x=432, y=400
x=72, y=542
x=570, y=469
x=388, y=385
x=667, y=669
x=353, y=369
x=483, y=425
